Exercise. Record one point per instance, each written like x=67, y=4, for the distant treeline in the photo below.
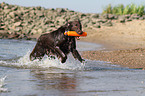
x=123, y=10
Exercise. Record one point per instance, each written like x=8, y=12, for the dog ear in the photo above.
x=67, y=24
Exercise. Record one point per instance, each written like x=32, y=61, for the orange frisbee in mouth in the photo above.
x=74, y=33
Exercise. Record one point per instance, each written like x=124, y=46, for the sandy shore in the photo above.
x=124, y=44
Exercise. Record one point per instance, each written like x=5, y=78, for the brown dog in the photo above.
x=56, y=43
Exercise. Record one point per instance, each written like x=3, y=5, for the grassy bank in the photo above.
x=123, y=10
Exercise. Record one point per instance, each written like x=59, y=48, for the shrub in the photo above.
x=123, y=10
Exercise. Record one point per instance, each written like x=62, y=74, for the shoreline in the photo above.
x=124, y=44
x=132, y=58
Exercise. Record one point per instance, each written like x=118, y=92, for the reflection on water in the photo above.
x=60, y=81
x=49, y=77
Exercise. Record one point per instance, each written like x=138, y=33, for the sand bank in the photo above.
x=124, y=44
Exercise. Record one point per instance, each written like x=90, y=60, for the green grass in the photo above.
x=123, y=10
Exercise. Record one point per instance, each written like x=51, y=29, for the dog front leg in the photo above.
x=77, y=55
x=61, y=54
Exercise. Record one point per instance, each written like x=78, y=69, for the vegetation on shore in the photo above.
x=123, y=10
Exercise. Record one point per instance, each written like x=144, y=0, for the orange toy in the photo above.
x=74, y=33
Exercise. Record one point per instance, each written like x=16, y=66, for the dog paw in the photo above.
x=83, y=61
x=63, y=60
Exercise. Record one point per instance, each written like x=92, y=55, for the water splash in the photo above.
x=46, y=62
x=2, y=84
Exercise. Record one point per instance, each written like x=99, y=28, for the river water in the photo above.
x=21, y=77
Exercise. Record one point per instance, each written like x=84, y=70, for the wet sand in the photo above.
x=124, y=44
x=132, y=58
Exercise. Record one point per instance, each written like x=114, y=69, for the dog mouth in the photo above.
x=78, y=37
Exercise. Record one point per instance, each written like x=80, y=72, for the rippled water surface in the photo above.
x=21, y=77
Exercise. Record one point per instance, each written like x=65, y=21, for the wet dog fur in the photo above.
x=56, y=43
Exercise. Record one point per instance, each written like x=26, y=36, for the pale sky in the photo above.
x=85, y=6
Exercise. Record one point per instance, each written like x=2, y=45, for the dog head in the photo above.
x=74, y=26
